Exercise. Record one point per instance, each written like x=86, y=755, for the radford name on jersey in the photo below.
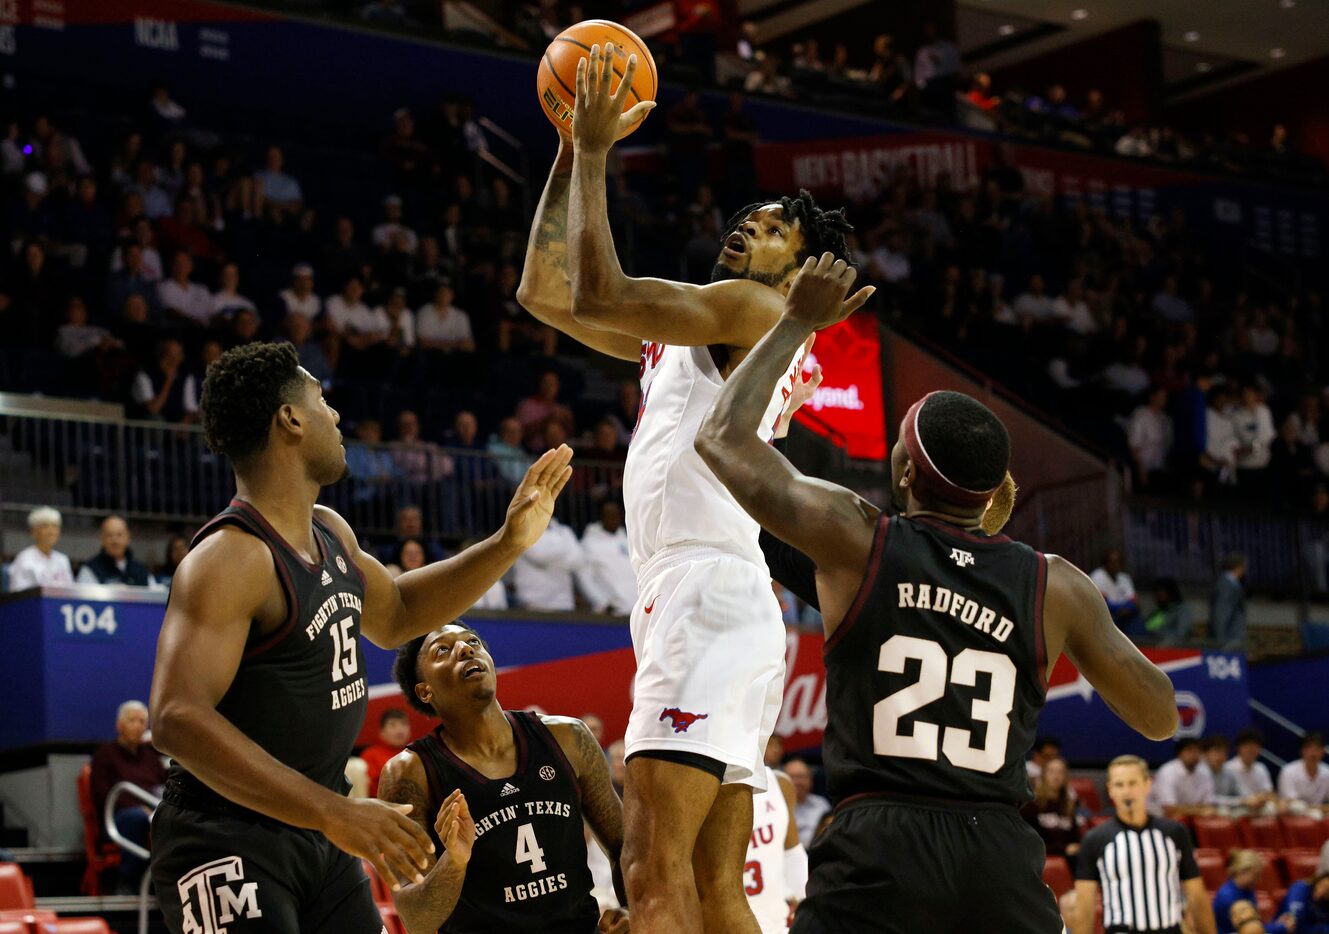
x=672, y=497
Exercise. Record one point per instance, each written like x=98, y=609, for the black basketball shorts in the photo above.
x=890, y=866
x=215, y=872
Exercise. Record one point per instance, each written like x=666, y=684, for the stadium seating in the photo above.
x=1213, y=868
x=1220, y=833
x=15, y=889
x=1301, y=831
x=31, y=920
x=1057, y=875
x=14, y=927
x=1301, y=863
x=1262, y=832
x=1267, y=904
x=1087, y=792
x=101, y=856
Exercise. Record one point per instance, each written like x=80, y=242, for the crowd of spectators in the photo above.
x=41, y=564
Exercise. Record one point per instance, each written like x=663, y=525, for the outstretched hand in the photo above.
x=455, y=827
x=532, y=505
x=598, y=120
x=817, y=297
x=805, y=387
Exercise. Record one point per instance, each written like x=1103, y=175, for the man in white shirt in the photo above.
x=1118, y=589
x=1182, y=787
x=350, y=315
x=182, y=297
x=300, y=299
x=1149, y=434
x=442, y=326
x=40, y=565
x=809, y=808
x=1306, y=780
x=1072, y=310
x=542, y=575
x=1033, y=304
x=606, y=577
x=1220, y=437
x=1244, y=775
x=1254, y=427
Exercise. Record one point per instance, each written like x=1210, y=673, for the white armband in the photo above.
x=795, y=873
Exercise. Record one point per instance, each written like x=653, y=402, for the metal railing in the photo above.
x=1076, y=519
x=95, y=464
x=1286, y=555
x=113, y=833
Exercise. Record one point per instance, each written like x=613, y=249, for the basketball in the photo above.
x=556, y=84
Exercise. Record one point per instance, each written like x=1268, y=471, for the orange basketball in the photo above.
x=556, y=82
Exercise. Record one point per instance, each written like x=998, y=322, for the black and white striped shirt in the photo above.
x=1140, y=871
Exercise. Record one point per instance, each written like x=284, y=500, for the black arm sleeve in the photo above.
x=787, y=564
x=1091, y=848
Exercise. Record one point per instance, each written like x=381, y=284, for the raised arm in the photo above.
x=202, y=640
x=833, y=526
x=1077, y=622
x=425, y=905
x=544, y=290
x=734, y=312
x=421, y=600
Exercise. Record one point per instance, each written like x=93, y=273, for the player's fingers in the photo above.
x=403, y=865
x=638, y=111
x=607, y=67
x=625, y=83
x=445, y=815
x=416, y=837
x=807, y=344
x=561, y=482
x=581, y=81
x=826, y=261
x=809, y=266
x=847, y=275
x=859, y=299
x=562, y=456
x=384, y=873
x=535, y=473
x=816, y=376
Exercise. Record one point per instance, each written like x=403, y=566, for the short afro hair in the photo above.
x=965, y=440
x=823, y=230
x=242, y=390
x=406, y=668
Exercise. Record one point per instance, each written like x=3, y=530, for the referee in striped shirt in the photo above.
x=1144, y=865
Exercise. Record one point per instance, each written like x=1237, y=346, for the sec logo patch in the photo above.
x=341, y=564
x=547, y=772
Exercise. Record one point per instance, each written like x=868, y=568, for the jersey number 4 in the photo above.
x=528, y=851
x=994, y=710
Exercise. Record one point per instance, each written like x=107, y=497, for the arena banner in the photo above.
x=1226, y=211
x=849, y=401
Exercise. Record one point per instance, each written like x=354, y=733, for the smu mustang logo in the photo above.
x=681, y=719
x=208, y=904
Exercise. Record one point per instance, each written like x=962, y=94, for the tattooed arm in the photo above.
x=600, y=805
x=544, y=289
x=1076, y=621
x=424, y=906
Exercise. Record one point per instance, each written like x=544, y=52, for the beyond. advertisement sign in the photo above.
x=848, y=404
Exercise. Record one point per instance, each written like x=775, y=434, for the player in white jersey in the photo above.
x=776, y=874
x=706, y=628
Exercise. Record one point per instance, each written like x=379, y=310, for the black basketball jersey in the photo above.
x=528, y=869
x=935, y=678
x=300, y=690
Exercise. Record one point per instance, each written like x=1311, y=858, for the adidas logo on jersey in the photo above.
x=327, y=578
x=509, y=789
x=962, y=558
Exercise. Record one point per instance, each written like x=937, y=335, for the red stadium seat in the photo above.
x=1213, y=868
x=1262, y=832
x=14, y=927
x=1219, y=833
x=1096, y=820
x=29, y=919
x=100, y=856
x=76, y=926
x=1301, y=863
x=15, y=889
x=1057, y=875
x=1087, y=792
x=1304, y=831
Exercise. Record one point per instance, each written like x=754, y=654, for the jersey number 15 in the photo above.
x=994, y=710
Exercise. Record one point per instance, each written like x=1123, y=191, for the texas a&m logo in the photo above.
x=215, y=894
x=681, y=719
x=962, y=558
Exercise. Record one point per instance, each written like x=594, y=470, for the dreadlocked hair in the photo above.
x=823, y=230
x=242, y=390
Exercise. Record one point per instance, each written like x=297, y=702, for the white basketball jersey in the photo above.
x=671, y=496
x=763, y=875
